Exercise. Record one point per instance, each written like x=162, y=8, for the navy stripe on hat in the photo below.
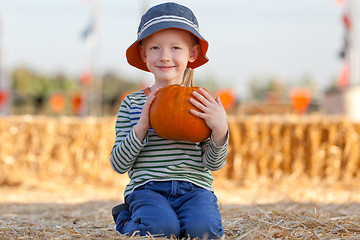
x=167, y=19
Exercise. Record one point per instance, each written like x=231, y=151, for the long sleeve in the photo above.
x=127, y=147
x=213, y=156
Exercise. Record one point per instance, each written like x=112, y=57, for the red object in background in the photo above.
x=57, y=103
x=347, y=21
x=340, y=2
x=300, y=99
x=4, y=96
x=344, y=77
x=85, y=78
x=77, y=103
x=227, y=98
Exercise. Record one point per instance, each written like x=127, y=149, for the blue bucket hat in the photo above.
x=165, y=16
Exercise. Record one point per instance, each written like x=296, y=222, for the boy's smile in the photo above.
x=166, y=68
x=167, y=53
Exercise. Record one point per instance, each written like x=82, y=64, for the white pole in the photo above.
x=353, y=46
x=352, y=95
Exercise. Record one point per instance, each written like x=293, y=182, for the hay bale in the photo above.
x=44, y=147
x=288, y=145
x=270, y=146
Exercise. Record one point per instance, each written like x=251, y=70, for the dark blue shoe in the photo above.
x=118, y=209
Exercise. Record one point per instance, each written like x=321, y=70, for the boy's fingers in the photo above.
x=197, y=114
x=197, y=104
x=218, y=100
x=206, y=94
x=201, y=98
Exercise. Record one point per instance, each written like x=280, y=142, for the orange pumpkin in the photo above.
x=57, y=103
x=227, y=98
x=170, y=115
x=300, y=99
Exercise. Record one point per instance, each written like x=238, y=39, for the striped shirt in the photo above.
x=159, y=159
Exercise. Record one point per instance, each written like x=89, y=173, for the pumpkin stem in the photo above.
x=188, y=78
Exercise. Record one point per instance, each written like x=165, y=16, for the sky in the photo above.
x=248, y=39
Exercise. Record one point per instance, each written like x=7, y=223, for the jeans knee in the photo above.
x=154, y=225
x=204, y=229
x=164, y=227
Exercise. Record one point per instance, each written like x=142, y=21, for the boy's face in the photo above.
x=167, y=53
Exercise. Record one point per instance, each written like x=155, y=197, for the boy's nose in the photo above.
x=165, y=56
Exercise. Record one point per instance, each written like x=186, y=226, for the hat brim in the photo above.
x=133, y=52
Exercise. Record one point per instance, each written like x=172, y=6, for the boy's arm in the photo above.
x=214, y=156
x=130, y=139
x=127, y=146
x=214, y=149
x=143, y=124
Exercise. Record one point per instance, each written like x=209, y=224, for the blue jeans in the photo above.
x=171, y=208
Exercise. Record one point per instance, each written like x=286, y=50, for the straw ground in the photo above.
x=284, y=179
x=73, y=209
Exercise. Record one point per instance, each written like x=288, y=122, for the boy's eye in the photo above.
x=154, y=48
x=176, y=48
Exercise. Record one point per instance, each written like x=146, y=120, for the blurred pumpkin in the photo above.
x=300, y=99
x=227, y=98
x=57, y=103
x=170, y=115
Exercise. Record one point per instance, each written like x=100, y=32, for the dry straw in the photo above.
x=275, y=146
x=324, y=147
x=92, y=221
x=44, y=147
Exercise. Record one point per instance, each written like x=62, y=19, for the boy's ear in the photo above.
x=142, y=52
x=194, y=53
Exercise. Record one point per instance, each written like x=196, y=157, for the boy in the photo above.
x=170, y=191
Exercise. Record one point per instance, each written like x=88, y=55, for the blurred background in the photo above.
x=286, y=71
x=68, y=57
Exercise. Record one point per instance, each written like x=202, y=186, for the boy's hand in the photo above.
x=213, y=113
x=144, y=122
